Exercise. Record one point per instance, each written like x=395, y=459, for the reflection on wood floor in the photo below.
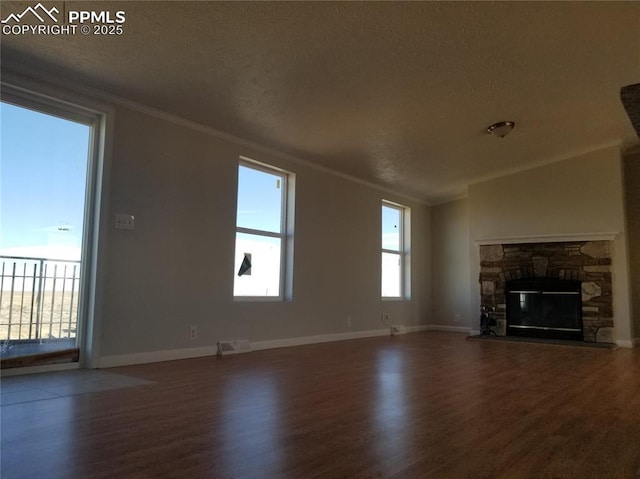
x=424, y=405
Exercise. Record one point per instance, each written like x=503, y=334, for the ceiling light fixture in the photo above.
x=502, y=128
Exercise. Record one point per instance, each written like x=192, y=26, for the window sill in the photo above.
x=258, y=299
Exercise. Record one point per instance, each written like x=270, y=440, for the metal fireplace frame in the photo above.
x=548, y=308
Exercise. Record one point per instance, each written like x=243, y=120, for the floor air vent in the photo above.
x=233, y=347
x=395, y=330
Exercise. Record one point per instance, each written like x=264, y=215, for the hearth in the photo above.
x=544, y=308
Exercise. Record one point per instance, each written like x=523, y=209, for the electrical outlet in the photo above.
x=348, y=321
x=384, y=318
x=457, y=319
x=193, y=332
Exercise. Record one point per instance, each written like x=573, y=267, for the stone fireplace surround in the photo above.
x=586, y=261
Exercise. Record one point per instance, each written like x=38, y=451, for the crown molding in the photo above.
x=14, y=77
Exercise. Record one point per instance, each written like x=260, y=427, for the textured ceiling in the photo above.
x=398, y=94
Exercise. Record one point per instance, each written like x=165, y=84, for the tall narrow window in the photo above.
x=261, y=232
x=395, y=235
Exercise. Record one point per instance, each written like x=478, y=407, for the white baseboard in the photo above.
x=624, y=343
x=447, y=328
x=417, y=329
x=321, y=338
x=156, y=356
x=188, y=353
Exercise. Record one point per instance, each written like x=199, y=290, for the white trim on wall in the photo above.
x=606, y=236
x=76, y=89
x=321, y=338
x=416, y=329
x=448, y=329
x=188, y=353
x=548, y=161
x=155, y=356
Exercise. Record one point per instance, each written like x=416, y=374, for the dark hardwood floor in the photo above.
x=425, y=405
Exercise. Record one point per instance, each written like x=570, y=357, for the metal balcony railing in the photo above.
x=38, y=298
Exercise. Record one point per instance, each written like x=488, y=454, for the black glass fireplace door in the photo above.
x=544, y=310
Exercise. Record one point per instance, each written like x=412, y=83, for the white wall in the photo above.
x=451, y=264
x=577, y=195
x=176, y=268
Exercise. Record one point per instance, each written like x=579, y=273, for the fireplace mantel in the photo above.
x=607, y=236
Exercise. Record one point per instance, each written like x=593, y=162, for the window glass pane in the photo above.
x=391, y=228
x=43, y=178
x=260, y=273
x=43, y=170
x=391, y=275
x=259, y=200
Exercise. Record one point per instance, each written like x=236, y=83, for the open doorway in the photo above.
x=46, y=156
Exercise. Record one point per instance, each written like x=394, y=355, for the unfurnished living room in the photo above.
x=319, y=239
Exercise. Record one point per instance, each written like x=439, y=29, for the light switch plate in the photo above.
x=125, y=222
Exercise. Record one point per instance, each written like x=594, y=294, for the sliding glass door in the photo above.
x=44, y=170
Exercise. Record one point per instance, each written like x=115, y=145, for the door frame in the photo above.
x=52, y=99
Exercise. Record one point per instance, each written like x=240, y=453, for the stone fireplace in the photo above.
x=586, y=264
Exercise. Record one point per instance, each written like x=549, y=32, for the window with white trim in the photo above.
x=262, y=232
x=395, y=247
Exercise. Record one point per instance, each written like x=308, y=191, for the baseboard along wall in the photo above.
x=188, y=353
